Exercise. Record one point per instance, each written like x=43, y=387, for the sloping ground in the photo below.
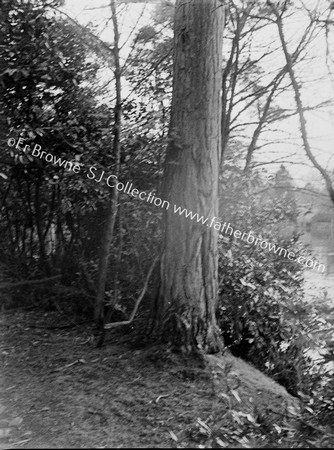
x=59, y=391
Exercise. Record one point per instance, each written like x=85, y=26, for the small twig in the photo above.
x=71, y=364
x=21, y=442
x=160, y=397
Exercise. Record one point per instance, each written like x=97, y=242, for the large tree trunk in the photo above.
x=185, y=310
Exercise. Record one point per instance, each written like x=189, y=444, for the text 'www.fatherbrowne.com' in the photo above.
x=249, y=238
x=112, y=181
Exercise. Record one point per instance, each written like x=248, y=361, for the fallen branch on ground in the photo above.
x=58, y=327
x=107, y=326
x=28, y=282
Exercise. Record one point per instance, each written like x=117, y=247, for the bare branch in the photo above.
x=299, y=105
x=108, y=326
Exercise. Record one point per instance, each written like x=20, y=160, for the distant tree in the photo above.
x=297, y=94
x=108, y=233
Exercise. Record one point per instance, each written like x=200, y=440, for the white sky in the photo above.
x=320, y=124
x=316, y=86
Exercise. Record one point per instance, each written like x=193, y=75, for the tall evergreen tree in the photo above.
x=185, y=311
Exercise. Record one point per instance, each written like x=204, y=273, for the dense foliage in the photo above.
x=47, y=102
x=51, y=218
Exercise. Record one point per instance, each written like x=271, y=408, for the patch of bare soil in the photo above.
x=59, y=391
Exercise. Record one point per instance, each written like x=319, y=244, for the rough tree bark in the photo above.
x=185, y=309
